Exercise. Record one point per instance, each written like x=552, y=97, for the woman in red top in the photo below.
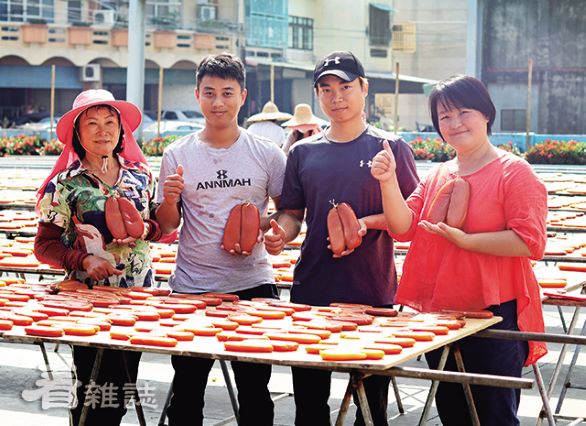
x=481, y=261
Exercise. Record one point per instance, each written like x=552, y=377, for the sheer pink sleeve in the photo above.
x=526, y=207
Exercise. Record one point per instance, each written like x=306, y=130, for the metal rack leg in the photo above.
x=137, y=404
x=567, y=380
x=355, y=379
x=561, y=313
x=364, y=407
x=166, y=406
x=433, y=388
x=543, y=394
x=230, y=387
x=558, y=366
x=466, y=386
x=46, y=359
x=397, y=395
x=93, y=377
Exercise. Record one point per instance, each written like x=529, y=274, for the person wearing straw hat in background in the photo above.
x=264, y=123
x=303, y=125
x=100, y=159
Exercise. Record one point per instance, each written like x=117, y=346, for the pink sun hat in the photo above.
x=130, y=118
x=89, y=98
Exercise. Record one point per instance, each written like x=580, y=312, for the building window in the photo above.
x=513, y=120
x=300, y=33
x=379, y=29
x=163, y=7
x=266, y=23
x=74, y=11
x=164, y=14
x=379, y=53
x=26, y=10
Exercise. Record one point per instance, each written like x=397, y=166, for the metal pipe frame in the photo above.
x=565, y=340
x=93, y=377
x=434, y=385
x=137, y=404
x=467, y=391
x=356, y=383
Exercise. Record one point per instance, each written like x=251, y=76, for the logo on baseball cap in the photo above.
x=342, y=64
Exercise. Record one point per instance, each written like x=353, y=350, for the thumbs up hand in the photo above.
x=383, y=164
x=275, y=238
x=173, y=186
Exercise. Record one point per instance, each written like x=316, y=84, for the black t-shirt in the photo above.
x=319, y=171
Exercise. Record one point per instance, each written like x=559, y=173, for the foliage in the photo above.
x=156, y=146
x=557, y=152
x=20, y=145
x=548, y=152
x=509, y=147
x=52, y=147
x=431, y=149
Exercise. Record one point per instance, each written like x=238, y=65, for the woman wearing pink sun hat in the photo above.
x=101, y=164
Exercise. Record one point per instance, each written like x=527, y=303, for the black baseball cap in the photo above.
x=342, y=64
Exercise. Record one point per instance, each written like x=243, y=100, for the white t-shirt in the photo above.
x=250, y=170
x=268, y=129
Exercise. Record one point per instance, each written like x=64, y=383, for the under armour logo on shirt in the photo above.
x=366, y=163
x=327, y=61
x=222, y=174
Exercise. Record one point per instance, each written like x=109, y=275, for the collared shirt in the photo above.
x=74, y=200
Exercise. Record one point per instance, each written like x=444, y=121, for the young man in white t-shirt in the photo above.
x=203, y=176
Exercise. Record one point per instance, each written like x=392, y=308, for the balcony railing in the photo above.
x=88, y=37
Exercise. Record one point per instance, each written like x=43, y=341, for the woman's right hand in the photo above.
x=383, y=164
x=98, y=268
x=173, y=186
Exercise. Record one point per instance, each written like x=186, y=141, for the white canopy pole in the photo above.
x=135, y=72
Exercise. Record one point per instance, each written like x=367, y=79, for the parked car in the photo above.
x=42, y=124
x=34, y=117
x=171, y=127
x=181, y=114
x=178, y=114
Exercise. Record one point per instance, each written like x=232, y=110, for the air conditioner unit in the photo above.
x=103, y=18
x=206, y=12
x=91, y=72
x=404, y=37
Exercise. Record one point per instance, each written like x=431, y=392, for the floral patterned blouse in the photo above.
x=74, y=200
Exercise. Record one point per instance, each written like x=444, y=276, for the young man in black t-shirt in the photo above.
x=336, y=166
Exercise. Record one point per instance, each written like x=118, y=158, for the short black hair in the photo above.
x=78, y=148
x=224, y=65
x=461, y=91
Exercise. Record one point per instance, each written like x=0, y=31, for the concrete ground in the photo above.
x=25, y=399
